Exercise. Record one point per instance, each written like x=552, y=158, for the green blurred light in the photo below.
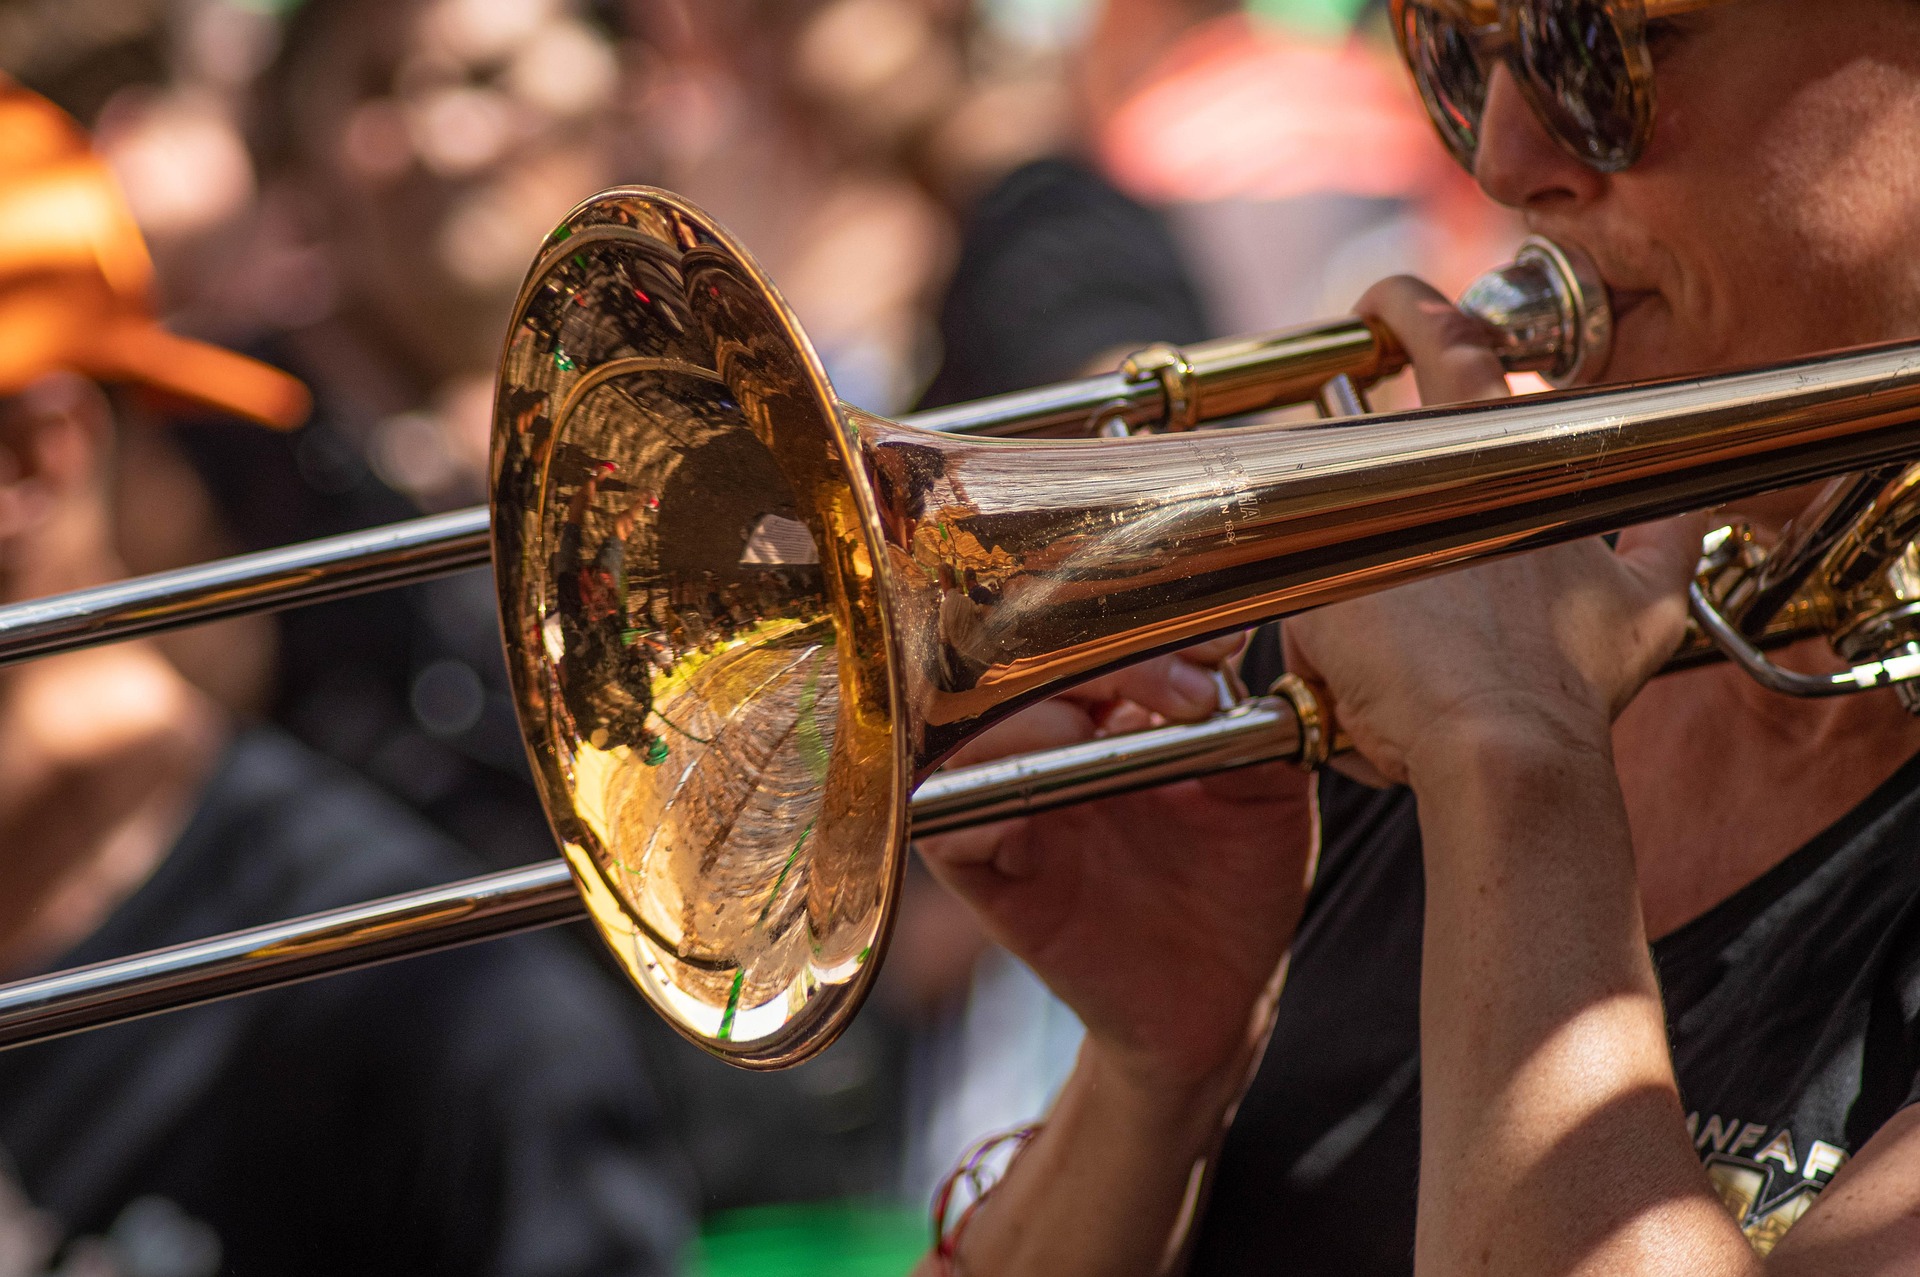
x=815, y=1239
x=1311, y=17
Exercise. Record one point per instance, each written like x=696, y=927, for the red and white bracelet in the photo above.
x=978, y=1173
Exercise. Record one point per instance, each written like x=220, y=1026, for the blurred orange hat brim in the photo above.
x=75, y=281
x=73, y=323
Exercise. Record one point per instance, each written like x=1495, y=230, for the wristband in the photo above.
x=974, y=1170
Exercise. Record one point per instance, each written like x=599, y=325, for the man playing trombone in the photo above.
x=1619, y=976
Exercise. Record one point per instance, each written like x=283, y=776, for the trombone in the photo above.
x=745, y=622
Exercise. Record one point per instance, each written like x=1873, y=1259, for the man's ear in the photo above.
x=54, y=437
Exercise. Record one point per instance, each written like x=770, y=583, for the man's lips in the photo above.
x=1624, y=301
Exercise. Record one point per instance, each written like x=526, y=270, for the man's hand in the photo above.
x=1553, y=641
x=1160, y=917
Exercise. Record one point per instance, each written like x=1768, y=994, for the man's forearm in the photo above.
x=1552, y=1134
x=1104, y=1188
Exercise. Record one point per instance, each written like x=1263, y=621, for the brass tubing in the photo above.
x=543, y=895
x=1063, y=407
x=1880, y=535
x=1125, y=548
x=1231, y=377
x=1546, y=310
x=1239, y=375
x=1807, y=542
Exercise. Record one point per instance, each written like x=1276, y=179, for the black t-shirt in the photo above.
x=481, y=1111
x=1792, y=1010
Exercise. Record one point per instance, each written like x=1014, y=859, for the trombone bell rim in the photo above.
x=688, y=557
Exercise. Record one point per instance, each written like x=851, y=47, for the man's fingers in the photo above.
x=962, y=861
x=1183, y=686
x=1180, y=685
x=1214, y=651
x=1452, y=352
x=1171, y=687
x=1664, y=554
x=1175, y=687
x=1263, y=783
x=1048, y=725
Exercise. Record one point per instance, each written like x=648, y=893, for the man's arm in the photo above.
x=1161, y=918
x=1553, y=1140
x=1109, y=1184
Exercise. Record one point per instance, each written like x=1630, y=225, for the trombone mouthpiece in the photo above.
x=1549, y=312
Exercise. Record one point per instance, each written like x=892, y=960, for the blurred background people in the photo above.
x=959, y=197
x=1290, y=158
x=407, y=155
x=487, y=1110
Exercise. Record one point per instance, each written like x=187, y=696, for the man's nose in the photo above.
x=1518, y=162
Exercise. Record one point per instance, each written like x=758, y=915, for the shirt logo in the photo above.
x=1765, y=1180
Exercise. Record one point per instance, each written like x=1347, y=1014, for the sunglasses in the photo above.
x=1582, y=65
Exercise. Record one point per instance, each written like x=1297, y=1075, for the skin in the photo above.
x=1176, y=991
x=103, y=751
x=408, y=324
x=1763, y=222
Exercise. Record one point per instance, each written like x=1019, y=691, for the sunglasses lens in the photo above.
x=1581, y=68
x=1452, y=82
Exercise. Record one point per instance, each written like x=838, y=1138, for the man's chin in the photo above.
x=1647, y=348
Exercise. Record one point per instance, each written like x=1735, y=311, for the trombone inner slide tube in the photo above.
x=744, y=620
x=1546, y=312
x=543, y=895
x=310, y=572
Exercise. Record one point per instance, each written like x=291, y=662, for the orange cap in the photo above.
x=76, y=284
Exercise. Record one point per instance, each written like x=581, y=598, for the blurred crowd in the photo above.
x=958, y=197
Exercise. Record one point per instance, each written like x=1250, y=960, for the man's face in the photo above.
x=445, y=138
x=1774, y=213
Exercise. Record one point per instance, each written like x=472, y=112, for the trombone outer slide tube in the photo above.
x=311, y=571
x=543, y=894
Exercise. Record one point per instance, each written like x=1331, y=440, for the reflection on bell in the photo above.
x=688, y=704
